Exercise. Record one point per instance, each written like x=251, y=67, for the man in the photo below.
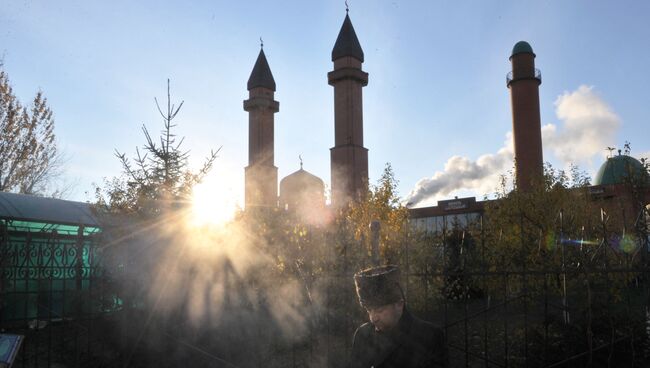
x=393, y=337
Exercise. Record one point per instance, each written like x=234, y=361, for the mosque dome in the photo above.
x=621, y=168
x=301, y=176
x=301, y=189
x=522, y=47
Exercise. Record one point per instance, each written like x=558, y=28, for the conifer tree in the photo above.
x=158, y=178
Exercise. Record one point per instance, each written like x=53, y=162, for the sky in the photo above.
x=436, y=106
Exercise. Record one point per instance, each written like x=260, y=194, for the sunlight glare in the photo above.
x=214, y=201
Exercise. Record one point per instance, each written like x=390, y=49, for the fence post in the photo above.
x=78, y=307
x=4, y=255
x=375, y=226
x=79, y=269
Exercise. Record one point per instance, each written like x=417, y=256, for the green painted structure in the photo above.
x=522, y=47
x=622, y=169
x=49, y=258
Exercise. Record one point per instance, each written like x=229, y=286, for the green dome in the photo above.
x=522, y=47
x=619, y=169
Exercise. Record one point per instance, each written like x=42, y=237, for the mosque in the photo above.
x=302, y=191
x=349, y=158
x=30, y=221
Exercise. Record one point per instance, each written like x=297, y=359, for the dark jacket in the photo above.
x=413, y=344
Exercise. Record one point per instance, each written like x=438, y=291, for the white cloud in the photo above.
x=588, y=126
x=461, y=173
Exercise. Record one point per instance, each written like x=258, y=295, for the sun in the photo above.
x=214, y=201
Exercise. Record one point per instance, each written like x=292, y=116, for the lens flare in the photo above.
x=628, y=244
x=550, y=241
x=625, y=244
x=214, y=201
x=581, y=242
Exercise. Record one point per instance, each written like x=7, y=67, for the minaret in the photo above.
x=349, y=158
x=523, y=82
x=261, y=173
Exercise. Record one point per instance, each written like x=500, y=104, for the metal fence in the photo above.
x=582, y=301
x=50, y=291
x=588, y=305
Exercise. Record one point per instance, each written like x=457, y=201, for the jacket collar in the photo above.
x=403, y=326
x=395, y=338
x=405, y=321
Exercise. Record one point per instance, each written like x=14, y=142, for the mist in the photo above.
x=235, y=290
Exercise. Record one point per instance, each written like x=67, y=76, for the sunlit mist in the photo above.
x=214, y=201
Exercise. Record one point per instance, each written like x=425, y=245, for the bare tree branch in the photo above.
x=29, y=159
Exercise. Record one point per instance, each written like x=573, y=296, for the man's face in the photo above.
x=385, y=317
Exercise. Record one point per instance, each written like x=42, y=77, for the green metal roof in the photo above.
x=38, y=227
x=22, y=207
x=621, y=169
x=522, y=47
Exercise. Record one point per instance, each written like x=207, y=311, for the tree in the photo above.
x=523, y=224
x=144, y=238
x=140, y=209
x=29, y=158
x=380, y=204
x=157, y=180
x=556, y=242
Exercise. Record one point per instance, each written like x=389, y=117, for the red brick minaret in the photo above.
x=349, y=158
x=261, y=174
x=523, y=82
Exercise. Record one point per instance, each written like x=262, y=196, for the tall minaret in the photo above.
x=349, y=158
x=524, y=81
x=261, y=173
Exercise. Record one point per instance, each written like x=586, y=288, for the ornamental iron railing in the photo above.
x=540, y=299
x=536, y=75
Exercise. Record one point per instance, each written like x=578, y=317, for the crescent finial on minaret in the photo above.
x=300, y=158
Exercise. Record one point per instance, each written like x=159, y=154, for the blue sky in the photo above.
x=436, y=106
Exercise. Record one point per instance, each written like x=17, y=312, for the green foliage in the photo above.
x=522, y=224
x=557, y=227
x=29, y=159
x=380, y=204
x=342, y=244
x=322, y=258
